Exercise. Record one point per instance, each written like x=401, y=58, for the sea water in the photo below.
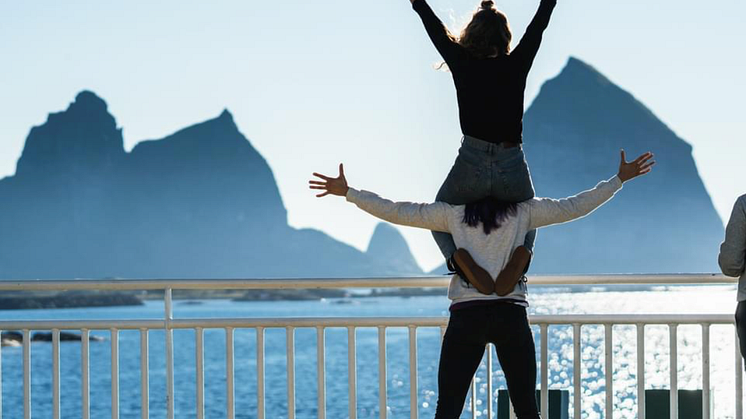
x=695, y=300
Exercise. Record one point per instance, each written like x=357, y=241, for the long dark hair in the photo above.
x=490, y=212
x=488, y=34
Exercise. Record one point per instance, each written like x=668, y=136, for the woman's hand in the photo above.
x=640, y=166
x=334, y=186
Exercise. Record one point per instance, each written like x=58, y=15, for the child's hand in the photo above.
x=334, y=186
x=640, y=166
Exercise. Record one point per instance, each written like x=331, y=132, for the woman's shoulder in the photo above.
x=457, y=209
x=527, y=204
x=450, y=207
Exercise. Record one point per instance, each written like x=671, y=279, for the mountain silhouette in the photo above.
x=201, y=203
x=388, y=247
x=73, y=145
x=665, y=222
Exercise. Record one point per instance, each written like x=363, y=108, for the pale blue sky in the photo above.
x=315, y=83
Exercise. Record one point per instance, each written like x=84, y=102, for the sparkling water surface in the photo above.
x=695, y=300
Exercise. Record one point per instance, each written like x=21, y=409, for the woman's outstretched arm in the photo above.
x=526, y=50
x=448, y=48
x=432, y=217
x=546, y=211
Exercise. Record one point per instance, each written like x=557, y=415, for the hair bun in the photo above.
x=487, y=5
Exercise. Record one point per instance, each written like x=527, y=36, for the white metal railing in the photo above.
x=169, y=324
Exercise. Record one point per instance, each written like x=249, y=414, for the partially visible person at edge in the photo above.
x=490, y=230
x=732, y=262
x=490, y=83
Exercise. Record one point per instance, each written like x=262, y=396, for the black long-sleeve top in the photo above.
x=490, y=91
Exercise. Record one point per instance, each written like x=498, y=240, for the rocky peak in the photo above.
x=582, y=72
x=82, y=138
x=87, y=101
x=389, y=246
x=581, y=96
x=199, y=203
x=573, y=132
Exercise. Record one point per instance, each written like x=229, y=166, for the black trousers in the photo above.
x=469, y=330
x=741, y=326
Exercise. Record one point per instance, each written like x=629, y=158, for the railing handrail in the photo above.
x=332, y=283
x=361, y=322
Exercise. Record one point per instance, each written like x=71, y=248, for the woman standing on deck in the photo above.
x=490, y=82
x=489, y=230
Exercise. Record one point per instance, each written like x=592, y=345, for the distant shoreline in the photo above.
x=29, y=300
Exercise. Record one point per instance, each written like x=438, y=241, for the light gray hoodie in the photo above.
x=491, y=251
x=732, y=257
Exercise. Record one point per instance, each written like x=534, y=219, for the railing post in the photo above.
x=489, y=381
x=674, y=370
x=290, y=338
x=229, y=385
x=26, y=374
x=512, y=411
x=144, y=375
x=705, y=371
x=414, y=408
x=200, y=365
x=55, y=374
x=352, y=371
x=609, y=373
x=114, y=333
x=641, y=371
x=474, y=397
x=544, y=370
x=85, y=374
x=169, y=354
x=382, y=399
x=321, y=371
x=577, y=370
x=260, y=373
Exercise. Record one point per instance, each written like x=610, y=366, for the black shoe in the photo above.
x=472, y=272
x=514, y=271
